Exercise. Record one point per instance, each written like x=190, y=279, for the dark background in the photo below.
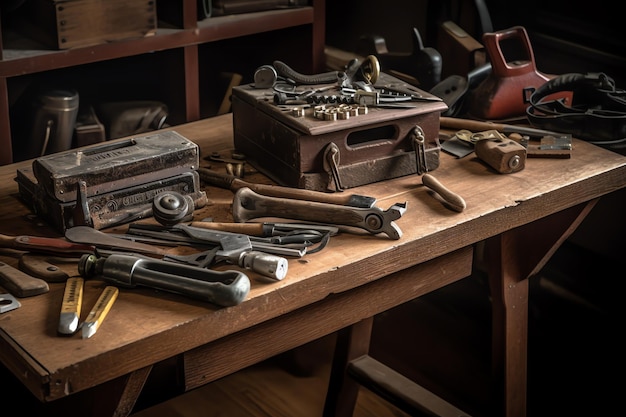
x=573, y=310
x=565, y=37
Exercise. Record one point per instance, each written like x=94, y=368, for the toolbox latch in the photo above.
x=331, y=166
x=423, y=161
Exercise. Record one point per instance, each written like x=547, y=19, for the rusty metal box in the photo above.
x=66, y=24
x=301, y=150
x=111, y=183
x=116, y=164
x=107, y=209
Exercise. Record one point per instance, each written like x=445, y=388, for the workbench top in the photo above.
x=146, y=326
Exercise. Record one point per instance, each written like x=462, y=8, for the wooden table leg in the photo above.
x=352, y=342
x=117, y=398
x=511, y=258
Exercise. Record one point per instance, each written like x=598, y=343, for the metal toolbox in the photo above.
x=108, y=209
x=116, y=164
x=298, y=149
x=111, y=183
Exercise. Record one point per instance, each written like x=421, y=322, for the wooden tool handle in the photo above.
x=44, y=245
x=19, y=283
x=253, y=229
x=472, y=125
x=454, y=201
x=39, y=267
x=295, y=193
x=234, y=183
x=479, y=126
x=248, y=205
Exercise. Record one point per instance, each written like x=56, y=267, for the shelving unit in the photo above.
x=179, y=66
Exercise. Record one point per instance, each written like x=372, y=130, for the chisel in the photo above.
x=99, y=311
x=71, y=305
x=233, y=183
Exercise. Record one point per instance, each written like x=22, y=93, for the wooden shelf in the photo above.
x=24, y=57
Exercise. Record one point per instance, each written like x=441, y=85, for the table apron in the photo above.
x=230, y=354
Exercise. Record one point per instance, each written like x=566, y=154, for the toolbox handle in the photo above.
x=109, y=146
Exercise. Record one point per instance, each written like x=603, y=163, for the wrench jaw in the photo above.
x=384, y=223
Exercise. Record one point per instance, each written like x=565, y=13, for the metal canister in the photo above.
x=54, y=121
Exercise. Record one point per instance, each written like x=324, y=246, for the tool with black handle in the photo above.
x=223, y=288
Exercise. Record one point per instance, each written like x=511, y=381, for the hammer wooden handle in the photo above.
x=480, y=126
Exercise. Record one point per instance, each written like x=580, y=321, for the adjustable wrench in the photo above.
x=249, y=205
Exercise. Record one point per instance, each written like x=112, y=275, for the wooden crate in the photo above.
x=66, y=24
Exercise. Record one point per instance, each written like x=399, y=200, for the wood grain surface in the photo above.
x=146, y=326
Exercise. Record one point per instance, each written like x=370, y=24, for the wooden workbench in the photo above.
x=521, y=218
